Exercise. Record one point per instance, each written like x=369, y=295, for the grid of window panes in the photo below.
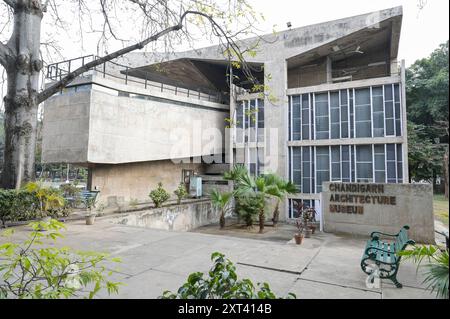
x=349, y=113
x=310, y=166
x=249, y=121
x=295, y=203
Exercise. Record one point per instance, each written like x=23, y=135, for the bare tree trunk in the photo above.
x=276, y=214
x=262, y=219
x=23, y=66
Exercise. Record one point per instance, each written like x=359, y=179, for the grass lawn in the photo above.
x=440, y=208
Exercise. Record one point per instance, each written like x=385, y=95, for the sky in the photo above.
x=422, y=30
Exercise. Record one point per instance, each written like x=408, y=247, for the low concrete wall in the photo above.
x=182, y=217
x=362, y=208
x=134, y=181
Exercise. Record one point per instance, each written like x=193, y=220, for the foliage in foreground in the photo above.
x=31, y=202
x=222, y=283
x=436, y=270
x=32, y=270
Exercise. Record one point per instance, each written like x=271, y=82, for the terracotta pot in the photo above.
x=90, y=219
x=313, y=228
x=308, y=232
x=298, y=238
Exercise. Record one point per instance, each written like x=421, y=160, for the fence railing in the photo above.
x=58, y=70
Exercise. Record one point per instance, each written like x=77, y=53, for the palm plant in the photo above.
x=284, y=188
x=49, y=198
x=262, y=187
x=436, y=273
x=235, y=173
x=221, y=201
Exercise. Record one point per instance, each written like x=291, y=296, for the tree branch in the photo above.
x=48, y=92
x=11, y=3
x=5, y=51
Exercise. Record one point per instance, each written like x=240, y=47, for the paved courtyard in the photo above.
x=325, y=266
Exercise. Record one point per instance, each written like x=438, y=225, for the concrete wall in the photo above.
x=124, y=182
x=312, y=74
x=413, y=206
x=182, y=217
x=66, y=128
x=98, y=126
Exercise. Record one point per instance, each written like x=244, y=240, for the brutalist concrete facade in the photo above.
x=333, y=109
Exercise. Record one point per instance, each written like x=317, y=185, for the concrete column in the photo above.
x=275, y=104
x=329, y=70
x=405, y=123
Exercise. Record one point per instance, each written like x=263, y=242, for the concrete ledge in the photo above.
x=183, y=217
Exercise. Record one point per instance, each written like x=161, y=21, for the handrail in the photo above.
x=56, y=71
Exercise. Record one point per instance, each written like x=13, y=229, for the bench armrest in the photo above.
x=380, y=249
x=376, y=234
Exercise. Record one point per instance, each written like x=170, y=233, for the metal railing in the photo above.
x=58, y=70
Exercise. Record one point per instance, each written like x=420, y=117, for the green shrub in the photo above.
x=31, y=270
x=51, y=200
x=180, y=192
x=17, y=205
x=31, y=202
x=159, y=195
x=248, y=207
x=222, y=282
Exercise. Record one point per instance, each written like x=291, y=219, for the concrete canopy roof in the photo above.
x=196, y=74
x=385, y=34
x=297, y=46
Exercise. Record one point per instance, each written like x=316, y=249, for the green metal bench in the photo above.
x=88, y=197
x=384, y=254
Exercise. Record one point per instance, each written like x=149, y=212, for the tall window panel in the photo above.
x=389, y=110
x=363, y=125
x=260, y=120
x=336, y=163
x=307, y=170
x=252, y=116
x=306, y=109
x=345, y=163
x=322, y=166
x=379, y=163
x=322, y=117
x=352, y=163
x=391, y=163
x=344, y=113
x=335, y=118
x=352, y=113
x=397, y=110
x=296, y=118
x=240, y=122
x=399, y=163
x=364, y=169
x=378, y=111
x=296, y=172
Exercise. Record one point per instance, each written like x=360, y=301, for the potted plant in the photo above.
x=180, y=192
x=90, y=216
x=308, y=216
x=300, y=234
x=159, y=195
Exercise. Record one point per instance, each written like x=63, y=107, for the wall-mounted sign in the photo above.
x=350, y=198
x=361, y=208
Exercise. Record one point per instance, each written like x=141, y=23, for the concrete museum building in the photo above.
x=334, y=110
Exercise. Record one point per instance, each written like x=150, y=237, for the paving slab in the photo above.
x=391, y=292
x=280, y=282
x=324, y=266
x=305, y=289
